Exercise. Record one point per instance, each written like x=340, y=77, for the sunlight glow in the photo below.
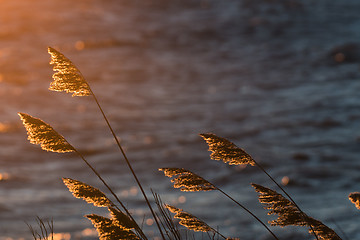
x=133, y=191
x=89, y=232
x=182, y=199
x=149, y=221
x=285, y=180
x=4, y=127
x=60, y=236
x=4, y=176
x=80, y=45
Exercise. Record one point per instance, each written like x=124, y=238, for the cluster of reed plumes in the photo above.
x=121, y=224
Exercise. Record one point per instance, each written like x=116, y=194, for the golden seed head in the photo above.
x=224, y=150
x=67, y=77
x=43, y=134
x=86, y=192
x=187, y=181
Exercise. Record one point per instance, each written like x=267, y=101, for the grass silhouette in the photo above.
x=121, y=224
x=45, y=232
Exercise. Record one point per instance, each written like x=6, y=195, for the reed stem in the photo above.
x=129, y=165
x=247, y=210
x=167, y=223
x=138, y=229
x=290, y=198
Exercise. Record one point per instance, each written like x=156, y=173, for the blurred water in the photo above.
x=278, y=78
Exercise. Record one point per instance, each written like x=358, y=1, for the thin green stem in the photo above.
x=129, y=165
x=247, y=210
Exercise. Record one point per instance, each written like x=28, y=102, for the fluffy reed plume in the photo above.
x=87, y=193
x=190, y=182
x=189, y=221
x=119, y=225
x=67, y=76
x=122, y=219
x=226, y=151
x=187, y=181
x=108, y=229
x=223, y=149
x=42, y=133
x=289, y=214
x=355, y=199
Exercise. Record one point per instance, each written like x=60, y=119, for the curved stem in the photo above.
x=290, y=198
x=217, y=232
x=129, y=165
x=341, y=230
x=112, y=192
x=247, y=210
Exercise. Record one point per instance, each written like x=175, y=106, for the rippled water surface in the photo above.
x=278, y=78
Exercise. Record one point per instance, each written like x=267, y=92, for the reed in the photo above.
x=228, y=152
x=44, y=135
x=188, y=181
x=355, y=199
x=289, y=214
x=121, y=224
x=68, y=78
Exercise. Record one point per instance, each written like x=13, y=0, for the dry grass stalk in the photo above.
x=42, y=133
x=289, y=214
x=224, y=150
x=109, y=230
x=87, y=193
x=67, y=76
x=45, y=232
x=167, y=223
x=187, y=181
x=355, y=199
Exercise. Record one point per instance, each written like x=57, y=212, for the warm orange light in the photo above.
x=4, y=176
x=80, y=45
x=182, y=199
x=133, y=191
x=60, y=236
x=149, y=222
x=285, y=180
x=89, y=232
x=4, y=127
